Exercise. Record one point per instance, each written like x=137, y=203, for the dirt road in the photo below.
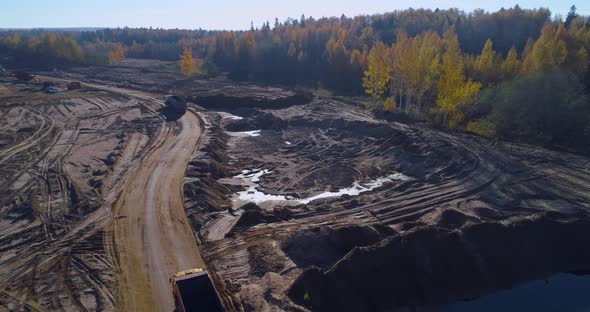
x=95, y=209
x=152, y=236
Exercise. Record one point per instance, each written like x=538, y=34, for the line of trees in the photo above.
x=326, y=52
x=45, y=47
x=437, y=64
x=36, y=48
x=402, y=76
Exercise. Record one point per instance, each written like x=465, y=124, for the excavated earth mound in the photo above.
x=430, y=266
x=355, y=211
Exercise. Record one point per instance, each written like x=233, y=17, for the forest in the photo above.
x=515, y=74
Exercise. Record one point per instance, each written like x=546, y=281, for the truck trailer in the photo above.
x=174, y=108
x=175, y=103
x=194, y=291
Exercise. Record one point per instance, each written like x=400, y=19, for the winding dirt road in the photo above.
x=152, y=236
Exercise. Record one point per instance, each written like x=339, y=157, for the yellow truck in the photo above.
x=193, y=291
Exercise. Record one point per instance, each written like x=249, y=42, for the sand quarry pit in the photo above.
x=293, y=202
x=328, y=208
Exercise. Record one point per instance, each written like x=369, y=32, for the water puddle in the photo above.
x=251, y=194
x=561, y=292
x=253, y=133
x=251, y=178
x=232, y=117
x=358, y=188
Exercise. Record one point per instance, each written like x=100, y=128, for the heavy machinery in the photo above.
x=175, y=103
x=194, y=291
x=174, y=108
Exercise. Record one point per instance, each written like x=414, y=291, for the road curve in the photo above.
x=152, y=236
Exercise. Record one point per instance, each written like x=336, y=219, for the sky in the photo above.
x=225, y=14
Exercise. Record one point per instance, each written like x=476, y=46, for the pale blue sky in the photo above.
x=224, y=14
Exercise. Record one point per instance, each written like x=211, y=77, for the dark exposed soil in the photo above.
x=432, y=265
x=473, y=216
x=435, y=238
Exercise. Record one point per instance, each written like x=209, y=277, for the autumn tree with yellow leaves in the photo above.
x=455, y=92
x=427, y=68
x=487, y=65
x=548, y=52
x=188, y=65
x=511, y=65
x=415, y=67
x=116, y=54
x=377, y=74
x=401, y=60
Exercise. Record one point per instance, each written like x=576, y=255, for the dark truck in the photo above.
x=174, y=107
x=175, y=103
x=194, y=291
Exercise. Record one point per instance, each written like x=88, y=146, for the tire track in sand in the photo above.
x=152, y=236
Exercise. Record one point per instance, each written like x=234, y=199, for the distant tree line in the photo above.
x=462, y=70
x=327, y=52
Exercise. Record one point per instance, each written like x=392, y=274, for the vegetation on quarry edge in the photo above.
x=515, y=74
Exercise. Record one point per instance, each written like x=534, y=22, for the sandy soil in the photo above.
x=104, y=201
x=152, y=238
x=64, y=159
x=263, y=256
